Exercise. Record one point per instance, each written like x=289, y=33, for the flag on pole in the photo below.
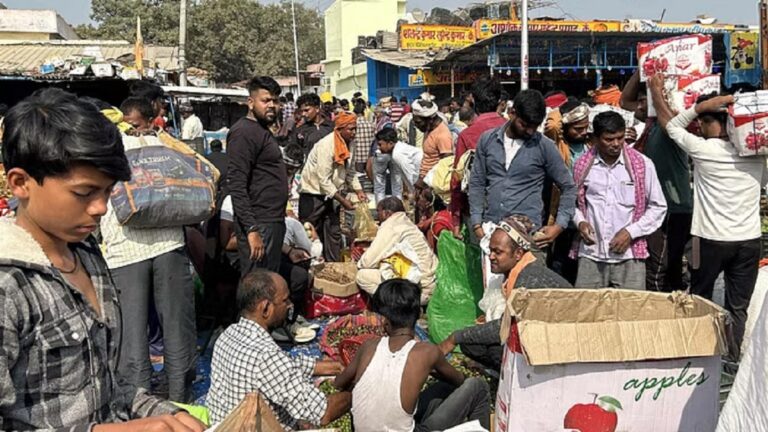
x=138, y=50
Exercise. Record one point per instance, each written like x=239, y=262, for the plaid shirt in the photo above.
x=246, y=359
x=366, y=134
x=57, y=357
x=289, y=109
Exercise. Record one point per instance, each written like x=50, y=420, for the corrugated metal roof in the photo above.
x=410, y=59
x=25, y=58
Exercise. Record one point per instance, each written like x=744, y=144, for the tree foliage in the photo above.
x=231, y=39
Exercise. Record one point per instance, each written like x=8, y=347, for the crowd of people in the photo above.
x=558, y=192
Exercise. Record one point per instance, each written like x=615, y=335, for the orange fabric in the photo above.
x=509, y=285
x=439, y=141
x=340, y=149
x=610, y=96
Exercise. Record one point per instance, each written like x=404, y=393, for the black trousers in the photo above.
x=297, y=277
x=558, y=259
x=739, y=261
x=323, y=214
x=666, y=248
x=272, y=234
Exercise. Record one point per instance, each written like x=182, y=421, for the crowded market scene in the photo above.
x=384, y=216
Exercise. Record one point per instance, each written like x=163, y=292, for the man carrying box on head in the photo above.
x=620, y=203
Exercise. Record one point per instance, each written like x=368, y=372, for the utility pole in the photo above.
x=183, y=43
x=764, y=41
x=524, y=46
x=296, y=48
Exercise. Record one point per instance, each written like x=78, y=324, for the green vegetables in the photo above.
x=335, y=336
x=343, y=424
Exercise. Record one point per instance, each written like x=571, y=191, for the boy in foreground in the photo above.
x=388, y=373
x=60, y=321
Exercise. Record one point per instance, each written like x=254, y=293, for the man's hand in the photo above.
x=630, y=135
x=547, y=235
x=448, y=345
x=587, y=233
x=328, y=368
x=479, y=232
x=656, y=84
x=361, y=196
x=347, y=204
x=457, y=233
x=180, y=422
x=257, y=246
x=716, y=104
x=621, y=242
x=298, y=255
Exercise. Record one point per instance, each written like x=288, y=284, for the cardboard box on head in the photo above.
x=610, y=361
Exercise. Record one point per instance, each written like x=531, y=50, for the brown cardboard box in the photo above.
x=331, y=286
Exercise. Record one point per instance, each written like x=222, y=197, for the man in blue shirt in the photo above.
x=511, y=165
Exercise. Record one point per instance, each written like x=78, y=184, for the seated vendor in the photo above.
x=396, y=233
x=387, y=374
x=435, y=216
x=247, y=360
x=510, y=255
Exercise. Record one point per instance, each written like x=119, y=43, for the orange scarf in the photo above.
x=509, y=285
x=340, y=149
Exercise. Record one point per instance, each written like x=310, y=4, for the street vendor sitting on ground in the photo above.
x=247, y=360
x=397, y=239
x=510, y=255
x=388, y=373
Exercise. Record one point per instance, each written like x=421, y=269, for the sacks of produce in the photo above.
x=335, y=291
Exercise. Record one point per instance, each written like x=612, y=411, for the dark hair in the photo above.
x=387, y=134
x=357, y=95
x=360, y=106
x=293, y=154
x=455, y=99
x=608, y=122
x=721, y=117
x=147, y=90
x=344, y=103
x=139, y=104
x=282, y=99
x=486, y=93
x=264, y=82
x=289, y=96
x=3, y=109
x=442, y=103
x=571, y=104
x=399, y=301
x=51, y=131
x=256, y=286
x=391, y=204
x=466, y=114
x=404, y=100
x=310, y=99
x=503, y=97
x=216, y=145
x=437, y=203
x=530, y=107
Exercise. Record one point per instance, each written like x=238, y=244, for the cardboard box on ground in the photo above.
x=610, y=361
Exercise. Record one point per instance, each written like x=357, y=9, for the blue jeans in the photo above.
x=382, y=163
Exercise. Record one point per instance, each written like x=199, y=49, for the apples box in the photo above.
x=748, y=132
x=682, y=55
x=609, y=361
x=681, y=91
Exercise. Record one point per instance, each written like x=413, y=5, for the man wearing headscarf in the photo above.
x=438, y=141
x=328, y=169
x=567, y=126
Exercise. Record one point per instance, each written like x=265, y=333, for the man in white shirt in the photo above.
x=191, y=126
x=406, y=158
x=726, y=210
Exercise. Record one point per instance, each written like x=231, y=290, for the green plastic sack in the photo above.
x=459, y=287
x=197, y=411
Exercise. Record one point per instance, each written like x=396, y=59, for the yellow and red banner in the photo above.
x=486, y=28
x=423, y=37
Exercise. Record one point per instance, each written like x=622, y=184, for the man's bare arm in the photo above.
x=338, y=405
x=629, y=94
x=664, y=112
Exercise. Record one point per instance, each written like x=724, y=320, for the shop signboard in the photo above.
x=424, y=37
x=486, y=28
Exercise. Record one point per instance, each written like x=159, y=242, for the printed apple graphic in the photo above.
x=599, y=416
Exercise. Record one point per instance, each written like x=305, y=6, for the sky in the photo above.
x=728, y=11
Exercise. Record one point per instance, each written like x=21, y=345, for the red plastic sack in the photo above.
x=350, y=330
x=323, y=305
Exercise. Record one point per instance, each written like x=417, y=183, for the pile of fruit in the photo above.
x=332, y=273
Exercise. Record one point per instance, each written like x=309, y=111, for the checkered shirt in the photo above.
x=288, y=110
x=58, y=359
x=366, y=134
x=245, y=360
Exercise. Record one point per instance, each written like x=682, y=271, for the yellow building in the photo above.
x=345, y=20
x=33, y=25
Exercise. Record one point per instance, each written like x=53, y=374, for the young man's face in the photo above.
x=309, y=112
x=423, y=124
x=641, y=112
x=504, y=257
x=138, y=121
x=66, y=207
x=263, y=105
x=455, y=106
x=520, y=128
x=386, y=147
x=609, y=144
x=576, y=133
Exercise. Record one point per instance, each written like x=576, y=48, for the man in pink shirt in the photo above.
x=486, y=93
